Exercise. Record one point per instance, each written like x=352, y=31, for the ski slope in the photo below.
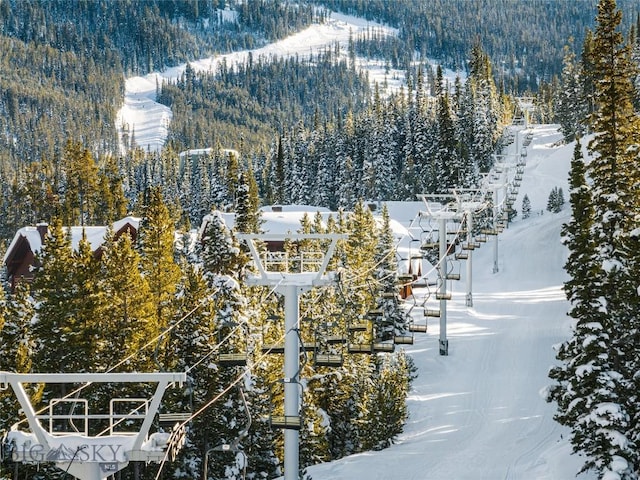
x=478, y=413
x=148, y=121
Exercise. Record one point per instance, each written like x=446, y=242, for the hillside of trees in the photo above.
x=314, y=132
x=64, y=61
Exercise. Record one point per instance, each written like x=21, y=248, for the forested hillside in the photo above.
x=312, y=131
x=63, y=65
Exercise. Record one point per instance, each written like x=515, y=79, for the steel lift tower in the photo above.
x=274, y=269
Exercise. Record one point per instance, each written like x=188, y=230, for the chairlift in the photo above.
x=443, y=295
x=390, y=296
x=429, y=244
x=461, y=256
x=326, y=353
x=356, y=348
x=451, y=275
x=284, y=422
x=359, y=337
x=417, y=327
x=403, y=339
x=383, y=347
x=272, y=347
x=234, y=356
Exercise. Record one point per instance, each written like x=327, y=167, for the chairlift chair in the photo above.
x=328, y=360
x=383, y=347
x=461, y=256
x=356, y=348
x=431, y=312
x=403, y=339
x=284, y=422
x=234, y=357
x=359, y=334
x=270, y=347
x=326, y=353
x=417, y=327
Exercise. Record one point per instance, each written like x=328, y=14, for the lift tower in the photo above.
x=442, y=207
x=275, y=269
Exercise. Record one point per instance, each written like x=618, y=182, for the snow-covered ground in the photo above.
x=148, y=120
x=478, y=413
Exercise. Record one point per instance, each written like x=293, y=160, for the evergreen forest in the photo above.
x=311, y=131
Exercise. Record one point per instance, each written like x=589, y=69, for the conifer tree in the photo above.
x=81, y=187
x=53, y=327
x=393, y=320
x=526, y=206
x=384, y=414
x=192, y=345
x=605, y=433
x=222, y=262
x=111, y=203
x=156, y=240
x=247, y=203
x=87, y=304
x=16, y=346
x=130, y=320
x=584, y=379
x=571, y=110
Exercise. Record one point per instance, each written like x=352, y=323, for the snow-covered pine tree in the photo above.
x=52, y=327
x=111, y=204
x=80, y=185
x=555, y=201
x=192, y=344
x=571, y=109
x=526, y=206
x=325, y=182
x=223, y=265
x=87, y=305
x=16, y=345
x=384, y=409
x=129, y=322
x=17, y=312
x=585, y=361
x=552, y=199
x=393, y=320
x=486, y=110
x=247, y=203
x=447, y=164
x=606, y=436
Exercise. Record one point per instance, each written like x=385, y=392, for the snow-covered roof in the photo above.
x=207, y=151
x=95, y=235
